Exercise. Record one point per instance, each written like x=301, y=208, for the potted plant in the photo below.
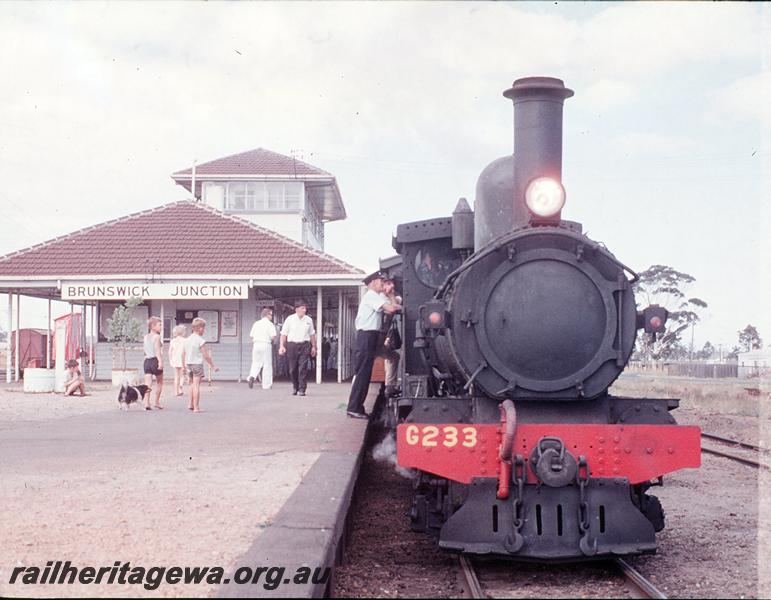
x=124, y=331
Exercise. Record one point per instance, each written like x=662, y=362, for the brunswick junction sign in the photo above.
x=220, y=290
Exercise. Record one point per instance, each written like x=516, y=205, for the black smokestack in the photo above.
x=537, y=135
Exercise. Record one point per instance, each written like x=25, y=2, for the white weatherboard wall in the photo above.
x=225, y=352
x=288, y=224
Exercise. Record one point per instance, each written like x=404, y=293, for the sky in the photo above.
x=667, y=143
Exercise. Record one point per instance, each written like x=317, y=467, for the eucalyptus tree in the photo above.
x=749, y=339
x=667, y=287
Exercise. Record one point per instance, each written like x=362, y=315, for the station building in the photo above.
x=755, y=363
x=252, y=237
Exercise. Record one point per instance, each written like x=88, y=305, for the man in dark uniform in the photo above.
x=369, y=320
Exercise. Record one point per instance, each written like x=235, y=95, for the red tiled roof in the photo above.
x=175, y=239
x=254, y=162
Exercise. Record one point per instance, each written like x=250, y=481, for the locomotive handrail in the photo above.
x=509, y=417
x=505, y=239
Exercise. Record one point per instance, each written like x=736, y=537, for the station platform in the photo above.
x=262, y=478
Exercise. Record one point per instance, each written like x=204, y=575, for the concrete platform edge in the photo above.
x=307, y=531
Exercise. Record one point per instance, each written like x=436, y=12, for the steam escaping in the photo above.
x=385, y=451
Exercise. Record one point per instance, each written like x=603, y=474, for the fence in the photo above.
x=688, y=369
x=759, y=371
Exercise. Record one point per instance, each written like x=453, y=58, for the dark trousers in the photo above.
x=366, y=350
x=297, y=355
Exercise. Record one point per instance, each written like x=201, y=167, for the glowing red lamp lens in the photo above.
x=656, y=323
x=435, y=318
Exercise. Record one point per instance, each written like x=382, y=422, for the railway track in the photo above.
x=469, y=578
x=745, y=460
x=636, y=583
x=725, y=440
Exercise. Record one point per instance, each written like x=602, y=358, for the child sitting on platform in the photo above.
x=73, y=380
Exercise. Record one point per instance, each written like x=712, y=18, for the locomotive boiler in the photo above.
x=515, y=326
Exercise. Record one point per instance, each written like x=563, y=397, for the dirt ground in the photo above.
x=719, y=396
x=724, y=407
x=17, y=406
x=81, y=481
x=716, y=530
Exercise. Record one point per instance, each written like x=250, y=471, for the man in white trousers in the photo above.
x=263, y=333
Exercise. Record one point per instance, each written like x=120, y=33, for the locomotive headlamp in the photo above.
x=435, y=318
x=433, y=315
x=545, y=197
x=653, y=319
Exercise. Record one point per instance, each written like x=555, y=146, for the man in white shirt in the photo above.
x=263, y=333
x=369, y=320
x=298, y=342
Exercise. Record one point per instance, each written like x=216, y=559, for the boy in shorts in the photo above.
x=194, y=354
x=73, y=380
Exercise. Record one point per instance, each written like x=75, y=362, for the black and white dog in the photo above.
x=129, y=394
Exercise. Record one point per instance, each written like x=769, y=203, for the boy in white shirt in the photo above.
x=193, y=356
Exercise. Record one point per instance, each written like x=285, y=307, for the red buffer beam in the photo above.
x=462, y=452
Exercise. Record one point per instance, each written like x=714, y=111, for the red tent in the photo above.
x=32, y=348
x=70, y=326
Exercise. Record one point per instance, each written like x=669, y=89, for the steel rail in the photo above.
x=641, y=587
x=712, y=436
x=745, y=461
x=470, y=579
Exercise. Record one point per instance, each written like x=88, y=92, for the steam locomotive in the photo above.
x=515, y=326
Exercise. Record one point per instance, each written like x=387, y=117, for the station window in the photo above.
x=106, y=309
x=293, y=193
x=237, y=196
x=275, y=195
x=254, y=196
x=313, y=226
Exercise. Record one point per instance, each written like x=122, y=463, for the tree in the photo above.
x=667, y=287
x=675, y=351
x=3, y=335
x=749, y=339
x=123, y=329
x=707, y=352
